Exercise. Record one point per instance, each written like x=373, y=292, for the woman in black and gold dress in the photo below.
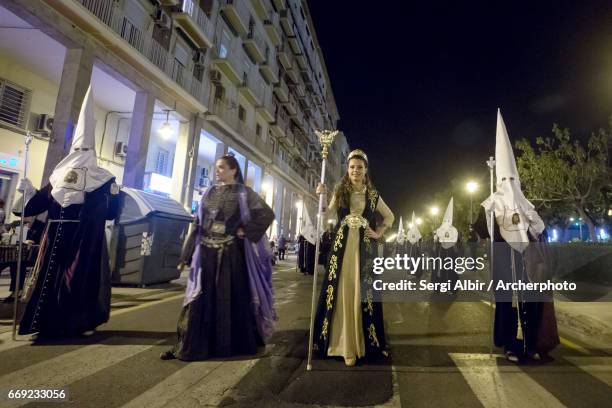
x=349, y=323
x=228, y=306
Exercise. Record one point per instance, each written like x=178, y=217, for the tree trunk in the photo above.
x=587, y=220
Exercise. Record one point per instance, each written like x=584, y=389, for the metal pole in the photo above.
x=325, y=139
x=491, y=164
x=471, y=210
x=27, y=141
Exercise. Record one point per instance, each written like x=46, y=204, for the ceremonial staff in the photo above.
x=491, y=164
x=27, y=141
x=326, y=138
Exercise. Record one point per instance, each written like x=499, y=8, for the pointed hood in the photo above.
x=505, y=164
x=447, y=234
x=401, y=236
x=84, y=134
x=414, y=235
x=514, y=214
x=78, y=173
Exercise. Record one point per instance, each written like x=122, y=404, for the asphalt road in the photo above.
x=440, y=357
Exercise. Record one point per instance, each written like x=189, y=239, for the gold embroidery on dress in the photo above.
x=370, y=306
x=333, y=267
x=339, y=237
x=330, y=296
x=372, y=195
x=324, y=329
x=372, y=335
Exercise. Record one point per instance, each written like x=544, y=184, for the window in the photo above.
x=161, y=164
x=241, y=113
x=14, y=104
x=258, y=130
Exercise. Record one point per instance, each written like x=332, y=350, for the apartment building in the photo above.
x=177, y=84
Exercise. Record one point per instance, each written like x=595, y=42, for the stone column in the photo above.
x=138, y=141
x=76, y=77
x=186, y=161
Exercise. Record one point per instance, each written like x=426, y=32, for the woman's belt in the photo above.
x=217, y=242
x=354, y=221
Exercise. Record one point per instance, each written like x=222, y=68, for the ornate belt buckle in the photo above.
x=218, y=228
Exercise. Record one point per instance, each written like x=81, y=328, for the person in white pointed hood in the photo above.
x=517, y=224
x=68, y=292
x=447, y=234
x=446, y=248
x=78, y=173
x=414, y=235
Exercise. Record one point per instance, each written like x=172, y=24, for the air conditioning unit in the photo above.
x=199, y=57
x=44, y=123
x=162, y=19
x=121, y=149
x=215, y=76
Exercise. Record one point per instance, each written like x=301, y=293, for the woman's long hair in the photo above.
x=232, y=163
x=344, y=188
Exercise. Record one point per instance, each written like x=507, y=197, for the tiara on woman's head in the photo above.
x=357, y=153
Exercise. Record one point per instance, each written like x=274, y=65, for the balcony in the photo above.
x=279, y=4
x=252, y=88
x=291, y=105
x=260, y=8
x=195, y=23
x=236, y=14
x=226, y=60
x=271, y=25
x=281, y=90
x=289, y=172
x=125, y=37
x=269, y=68
x=285, y=55
x=266, y=109
x=300, y=90
x=281, y=122
x=294, y=74
x=287, y=22
x=255, y=45
x=289, y=139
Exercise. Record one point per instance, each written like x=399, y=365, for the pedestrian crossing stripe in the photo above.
x=496, y=389
x=598, y=367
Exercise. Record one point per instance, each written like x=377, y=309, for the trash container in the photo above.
x=147, y=239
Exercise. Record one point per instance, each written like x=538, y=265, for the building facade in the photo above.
x=177, y=84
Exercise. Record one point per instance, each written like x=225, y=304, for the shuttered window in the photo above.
x=14, y=104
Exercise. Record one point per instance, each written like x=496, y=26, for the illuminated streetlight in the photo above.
x=165, y=130
x=434, y=210
x=409, y=225
x=418, y=221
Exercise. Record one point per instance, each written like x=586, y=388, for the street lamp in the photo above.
x=418, y=221
x=165, y=130
x=471, y=188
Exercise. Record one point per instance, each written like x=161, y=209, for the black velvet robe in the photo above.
x=220, y=321
x=70, y=287
x=538, y=322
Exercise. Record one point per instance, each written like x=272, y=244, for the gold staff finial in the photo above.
x=326, y=138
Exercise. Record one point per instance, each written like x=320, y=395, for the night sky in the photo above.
x=417, y=85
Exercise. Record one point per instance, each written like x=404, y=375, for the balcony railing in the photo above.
x=237, y=13
x=142, y=41
x=199, y=16
x=256, y=43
